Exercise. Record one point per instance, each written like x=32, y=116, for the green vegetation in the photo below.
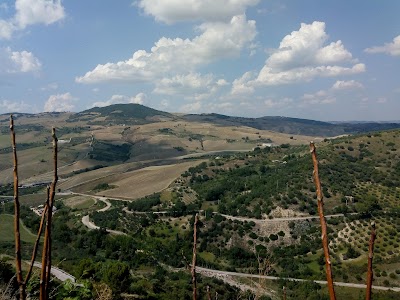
x=109, y=152
x=7, y=230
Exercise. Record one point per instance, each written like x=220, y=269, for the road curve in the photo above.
x=206, y=271
x=58, y=273
x=86, y=221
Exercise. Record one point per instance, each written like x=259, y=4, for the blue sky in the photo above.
x=324, y=60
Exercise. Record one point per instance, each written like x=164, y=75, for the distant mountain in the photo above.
x=120, y=113
x=293, y=125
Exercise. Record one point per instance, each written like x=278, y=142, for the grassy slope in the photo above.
x=7, y=230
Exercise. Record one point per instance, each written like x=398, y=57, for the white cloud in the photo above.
x=31, y=12
x=7, y=106
x=174, y=56
x=190, y=86
x=281, y=103
x=346, y=85
x=60, y=103
x=302, y=56
x=240, y=86
x=25, y=61
x=268, y=76
x=122, y=99
x=392, y=48
x=6, y=29
x=305, y=47
x=191, y=107
x=172, y=11
x=18, y=62
x=320, y=97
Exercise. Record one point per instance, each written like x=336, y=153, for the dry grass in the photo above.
x=79, y=202
x=136, y=184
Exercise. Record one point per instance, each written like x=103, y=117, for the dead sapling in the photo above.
x=194, y=257
x=17, y=234
x=324, y=236
x=46, y=252
x=370, y=273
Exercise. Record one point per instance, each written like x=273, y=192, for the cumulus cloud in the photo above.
x=346, y=85
x=122, y=99
x=217, y=40
x=191, y=86
x=60, y=103
x=392, y=48
x=302, y=56
x=240, y=86
x=18, y=62
x=31, y=12
x=172, y=11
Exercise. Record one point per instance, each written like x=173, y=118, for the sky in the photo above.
x=324, y=60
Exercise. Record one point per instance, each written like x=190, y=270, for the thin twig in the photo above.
x=324, y=236
x=17, y=215
x=370, y=273
x=194, y=257
x=46, y=254
x=39, y=234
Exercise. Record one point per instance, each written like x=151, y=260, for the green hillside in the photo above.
x=120, y=113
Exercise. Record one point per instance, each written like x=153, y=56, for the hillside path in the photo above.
x=281, y=219
x=210, y=272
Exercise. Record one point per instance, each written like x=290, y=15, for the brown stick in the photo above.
x=194, y=257
x=17, y=215
x=46, y=254
x=39, y=234
x=370, y=273
x=324, y=235
x=284, y=292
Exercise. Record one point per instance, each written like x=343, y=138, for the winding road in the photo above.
x=211, y=272
x=57, y=272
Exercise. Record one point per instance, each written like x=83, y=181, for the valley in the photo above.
x=132, y=178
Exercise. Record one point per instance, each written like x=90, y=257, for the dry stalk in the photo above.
x=324, y=235
x=194, y=257
x=46, y=253
x=370, y=273
x=208, y=293
x=17, y=234
x=284, y=292
x=39, y=234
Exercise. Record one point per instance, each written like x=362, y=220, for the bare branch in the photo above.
x=17, y=215
x=46, y=254
x=39, y=234
x=324, y=236
x=194, y=257
x=370, y=273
